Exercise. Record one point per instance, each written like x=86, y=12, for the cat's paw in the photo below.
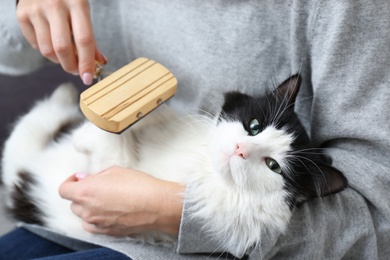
x=65, y=94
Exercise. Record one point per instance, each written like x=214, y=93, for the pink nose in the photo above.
x=240, y=151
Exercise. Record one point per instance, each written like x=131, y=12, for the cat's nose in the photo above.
x=240, y=151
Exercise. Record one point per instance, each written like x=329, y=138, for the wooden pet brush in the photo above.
x=127, y=95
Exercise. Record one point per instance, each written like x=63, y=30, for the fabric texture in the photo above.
x=43, y=249
x=38, y=247
x=342, y=51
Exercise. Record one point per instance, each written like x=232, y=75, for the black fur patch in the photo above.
x=24, y=208
x=65, y=129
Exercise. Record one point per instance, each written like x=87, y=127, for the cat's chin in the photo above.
x=231, y=170
x=237, y=170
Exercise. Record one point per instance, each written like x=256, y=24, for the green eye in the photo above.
x=273, y=165
x=254, y=126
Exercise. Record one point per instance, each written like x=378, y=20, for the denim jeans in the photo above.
x=22, y=244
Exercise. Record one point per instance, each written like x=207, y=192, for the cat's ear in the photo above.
x=288, y=90
x=330, y=181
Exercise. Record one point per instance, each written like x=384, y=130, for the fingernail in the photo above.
x=75, y=74
x=81, y=175
x=87, y=78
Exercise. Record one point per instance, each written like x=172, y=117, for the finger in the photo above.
x=100, y=57
x=111, y=231
x=42, y=30
x=92, y=228
x=62, y=41
x=81, y=176
x=84, y=41
x=87, y=218
x=68, y=187
x=29, y=33
x=27, y=28
x=77, y=209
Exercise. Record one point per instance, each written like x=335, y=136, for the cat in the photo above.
x=249, y=167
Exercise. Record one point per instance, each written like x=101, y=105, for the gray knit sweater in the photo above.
x=342, y=50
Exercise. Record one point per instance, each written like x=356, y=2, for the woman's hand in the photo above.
x=62, y=31
x=121, y=202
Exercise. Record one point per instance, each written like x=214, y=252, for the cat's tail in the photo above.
x=37, y=129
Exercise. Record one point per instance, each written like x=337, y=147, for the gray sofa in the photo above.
x=17, y=94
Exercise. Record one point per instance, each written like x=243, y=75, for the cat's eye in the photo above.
x=254, y=126
x=273, y=165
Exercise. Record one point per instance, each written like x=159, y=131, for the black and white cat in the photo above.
x=248, y=168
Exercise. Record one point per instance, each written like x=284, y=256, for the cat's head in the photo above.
x=259, y=145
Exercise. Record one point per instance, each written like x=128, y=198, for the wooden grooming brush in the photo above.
x=127, y=95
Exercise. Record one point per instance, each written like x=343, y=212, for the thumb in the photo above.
x=81, y=176
x=68, y=187
x=100, y=57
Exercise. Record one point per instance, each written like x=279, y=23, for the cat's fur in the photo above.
x=224, y=160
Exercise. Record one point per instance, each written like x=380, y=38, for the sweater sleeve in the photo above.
x=349, y=55
x=191, y=233
x=17, y=57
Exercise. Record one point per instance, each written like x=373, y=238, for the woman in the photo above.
x=340, y=48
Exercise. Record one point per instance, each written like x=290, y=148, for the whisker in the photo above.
x=261, y=108
x=309, y=151
x=322, y=175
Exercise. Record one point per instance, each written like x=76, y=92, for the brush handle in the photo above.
x=127, y=95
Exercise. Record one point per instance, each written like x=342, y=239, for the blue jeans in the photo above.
x=22, y=244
